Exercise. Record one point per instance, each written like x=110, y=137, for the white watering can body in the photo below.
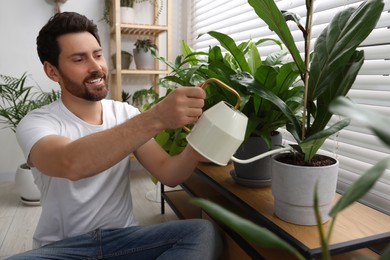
x=220, y=131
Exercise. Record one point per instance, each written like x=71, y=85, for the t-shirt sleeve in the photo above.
x=32, y=128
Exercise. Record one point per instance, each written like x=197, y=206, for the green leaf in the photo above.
x=271, y=15
x=310, y=145
x=338, y=41
x=245, y=228
x=229, y=44
x=360, y=187
x=247, y=80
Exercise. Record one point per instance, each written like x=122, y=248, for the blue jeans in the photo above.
x=181, y=239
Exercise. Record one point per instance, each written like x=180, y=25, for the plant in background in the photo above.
x=144, y=98
x=145, y=45
x=131, y=3
x=17, y=99
x=126, y=96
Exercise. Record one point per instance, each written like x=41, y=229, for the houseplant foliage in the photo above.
x=131, y=3
x=341, y=106
x=333, y=68
x=331, y=73
x=192, y=68
x=17, y=98
x=144, y=53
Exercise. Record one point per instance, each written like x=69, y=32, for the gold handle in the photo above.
x=204, y=85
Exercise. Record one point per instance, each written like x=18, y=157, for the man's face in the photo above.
x=82, y=67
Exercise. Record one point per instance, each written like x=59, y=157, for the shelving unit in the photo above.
x=118, y=30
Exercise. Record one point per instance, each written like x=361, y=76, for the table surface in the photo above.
x=358, y=226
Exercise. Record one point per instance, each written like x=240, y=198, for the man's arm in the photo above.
x=76, y=159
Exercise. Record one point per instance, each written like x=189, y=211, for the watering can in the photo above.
x=221, y=130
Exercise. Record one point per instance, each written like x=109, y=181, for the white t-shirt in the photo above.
x=71, y=208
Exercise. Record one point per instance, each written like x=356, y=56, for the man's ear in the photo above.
x=51, y=71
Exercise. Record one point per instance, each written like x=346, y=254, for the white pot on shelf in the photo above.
x=143, y=60
x=26, y=187
x=293, y=190
x=127, y=15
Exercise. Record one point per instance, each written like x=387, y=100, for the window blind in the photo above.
x=356, y=148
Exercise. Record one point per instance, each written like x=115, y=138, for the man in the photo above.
x=78, y=149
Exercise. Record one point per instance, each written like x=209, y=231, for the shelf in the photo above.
x=152, y=32
x=142, y=72
x=179, y=201
x=141, y=29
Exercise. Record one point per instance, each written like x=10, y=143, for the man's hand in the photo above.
x=181, y=107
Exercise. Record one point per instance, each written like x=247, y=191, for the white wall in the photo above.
x=20, y=22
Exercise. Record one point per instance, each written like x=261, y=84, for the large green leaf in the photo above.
x=271, y=15
x=229, y=44
x=338, y=86
x=246, y=228
x=247, y=80
x=338, y=42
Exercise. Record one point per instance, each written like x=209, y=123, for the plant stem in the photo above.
x=309, y=21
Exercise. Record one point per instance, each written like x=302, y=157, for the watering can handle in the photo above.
x=204, y=84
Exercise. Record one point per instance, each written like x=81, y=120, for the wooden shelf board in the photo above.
x=142, y=72
x=179, y=201
x=141, y=29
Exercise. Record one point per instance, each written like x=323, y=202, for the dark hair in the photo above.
x=60, y=24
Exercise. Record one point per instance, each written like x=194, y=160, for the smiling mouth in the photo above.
x=95, y=82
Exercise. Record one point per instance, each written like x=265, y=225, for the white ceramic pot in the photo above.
x=143, y=60
x=26, y=187
x=127, y=15
x=293, y=190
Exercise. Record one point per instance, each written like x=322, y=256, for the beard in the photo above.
x=86, y=90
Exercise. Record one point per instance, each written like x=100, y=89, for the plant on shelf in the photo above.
x=126, y=59
x=145, y=45
x=259, y=235
x=130, y=4
x=264, y=119
x=327, y=73
x=17, y=98
x=144, y=54
x=125, y=96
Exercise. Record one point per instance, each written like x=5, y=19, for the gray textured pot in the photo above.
x=259, y=170
x=293, y=190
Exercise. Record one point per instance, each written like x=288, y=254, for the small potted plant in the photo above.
x=126, y=59
x=17, y=98
x=144, y=54
x=127, y=12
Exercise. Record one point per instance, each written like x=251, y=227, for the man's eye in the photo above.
x=77, y=59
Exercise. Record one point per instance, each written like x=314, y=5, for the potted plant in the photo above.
x=126, y=59
x=144, y=54
x=330, y=73
x=259, y=235
x=264, y=118
x=16, y=100
x=127, y=12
